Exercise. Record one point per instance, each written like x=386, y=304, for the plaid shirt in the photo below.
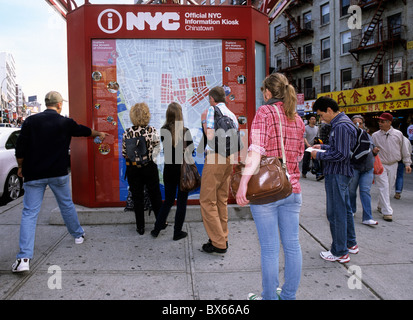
x=265, y=138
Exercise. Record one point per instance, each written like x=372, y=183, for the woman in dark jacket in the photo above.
x=176, y=139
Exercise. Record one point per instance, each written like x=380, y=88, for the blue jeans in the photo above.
x=339, y=214
x=272, y=220
x=364, y=181
x=32, y=201
x=399, y=177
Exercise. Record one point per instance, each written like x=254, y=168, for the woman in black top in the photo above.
x=176, y=139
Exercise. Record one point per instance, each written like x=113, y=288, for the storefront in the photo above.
x=396, y=98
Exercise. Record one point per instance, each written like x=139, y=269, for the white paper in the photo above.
x=310, y=149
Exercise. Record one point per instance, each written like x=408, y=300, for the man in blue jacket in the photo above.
x=338, y=172
x=42, y=153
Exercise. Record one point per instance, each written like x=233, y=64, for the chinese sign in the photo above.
x=384, y=97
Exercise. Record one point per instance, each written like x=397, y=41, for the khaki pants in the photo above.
x=213, y=198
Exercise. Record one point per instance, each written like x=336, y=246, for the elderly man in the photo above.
x=390, y=143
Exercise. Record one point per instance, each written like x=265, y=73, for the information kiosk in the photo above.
x=119, y=55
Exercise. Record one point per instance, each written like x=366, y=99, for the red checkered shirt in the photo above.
x=265, y=138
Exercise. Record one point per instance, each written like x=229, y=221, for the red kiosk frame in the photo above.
x=95, y=175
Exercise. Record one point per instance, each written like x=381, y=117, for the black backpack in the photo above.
x=362, y=147
x=136, y=151
x=227, y=136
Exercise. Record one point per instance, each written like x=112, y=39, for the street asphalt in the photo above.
x=115, y=263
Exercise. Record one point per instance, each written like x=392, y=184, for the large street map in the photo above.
x=158, y=72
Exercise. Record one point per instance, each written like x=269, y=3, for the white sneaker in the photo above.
x=21, y=265
x=327, y=255
x=253, y=296
x=370, y=222
x=80, y=239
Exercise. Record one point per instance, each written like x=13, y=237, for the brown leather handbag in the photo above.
x=190, y=178
x=270, y=183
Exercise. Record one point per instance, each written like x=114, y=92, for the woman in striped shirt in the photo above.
x=280, y=218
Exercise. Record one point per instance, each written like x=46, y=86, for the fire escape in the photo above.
x=287, y=35
x=375, y=38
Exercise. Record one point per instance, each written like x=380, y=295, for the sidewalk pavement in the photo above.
x=115, y=263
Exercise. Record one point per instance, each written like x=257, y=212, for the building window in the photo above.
x=308, y=88
x=278, y=63
x=308, y=53
x=325, y=82
x=325, y=13
x=277, y=33
x=344, y=5
x=345, y=42
x=395, y=25
x=395, y=70
x=325, y=48
x=346, y=79
x=307, y=21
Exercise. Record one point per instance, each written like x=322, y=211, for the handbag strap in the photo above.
x=284, y=164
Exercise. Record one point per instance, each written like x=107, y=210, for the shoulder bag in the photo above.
x=270, y=183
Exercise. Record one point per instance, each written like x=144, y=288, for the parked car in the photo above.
x=11, y=186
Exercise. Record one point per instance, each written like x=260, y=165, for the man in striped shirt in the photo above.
x=338, y=172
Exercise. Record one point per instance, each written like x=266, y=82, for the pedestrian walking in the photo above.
x=140, y=146
x=338, y=172
x=392, y=150
x=175, y=139
x=400, y=171
x=42, y=153
x=278, y=219
x=363, y=180
x=216, y=176
x=311, y=132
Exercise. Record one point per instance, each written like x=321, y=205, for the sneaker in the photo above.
x=210, y=248
x=370, y=222
x=354, y=249
x=80, y=239
x=21, y=265
x=327, y=255
x=253, y=296
x=398, y=195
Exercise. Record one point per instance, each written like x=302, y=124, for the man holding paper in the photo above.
x=338, y=173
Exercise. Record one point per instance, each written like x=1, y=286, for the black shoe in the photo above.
x=180, y=235
x=165, y=225
x=210, y=248
x=320, y=177
x=155, y=233
x=141, y=231
x=209, y=241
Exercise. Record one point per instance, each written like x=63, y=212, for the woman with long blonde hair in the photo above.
x=175, y=138
x=278, y=219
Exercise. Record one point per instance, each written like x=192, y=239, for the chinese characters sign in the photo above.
x=384, y=97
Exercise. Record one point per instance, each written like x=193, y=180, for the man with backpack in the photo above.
x=338, y=172
x=217, y=171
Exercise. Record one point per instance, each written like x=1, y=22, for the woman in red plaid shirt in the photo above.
x=280, y=218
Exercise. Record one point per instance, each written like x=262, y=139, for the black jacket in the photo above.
x=44, y=143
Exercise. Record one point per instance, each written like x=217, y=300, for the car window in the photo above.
x=11, y=142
